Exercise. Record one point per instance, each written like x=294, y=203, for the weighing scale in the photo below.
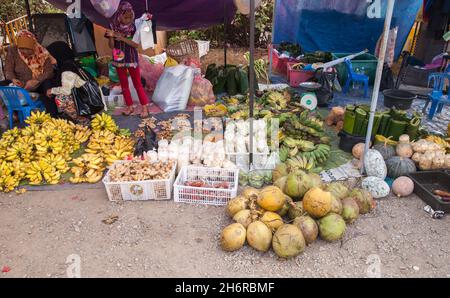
x=308, y=97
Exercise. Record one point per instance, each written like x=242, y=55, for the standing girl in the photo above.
x=125, y=55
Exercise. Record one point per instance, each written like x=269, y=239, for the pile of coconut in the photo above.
x=323, y=211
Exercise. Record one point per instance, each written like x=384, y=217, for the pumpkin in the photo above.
x=399, y=166
x=403, y=186
x=374, y=164
x=386, y=150
x=337, y=189
x=358, y=150
x=377, y=187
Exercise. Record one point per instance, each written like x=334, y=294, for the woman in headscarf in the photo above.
x=28, y=63
x=125, y=55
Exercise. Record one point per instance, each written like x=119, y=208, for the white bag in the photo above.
x=173, y=88
x=107, y=8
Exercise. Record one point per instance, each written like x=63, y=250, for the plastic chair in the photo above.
x=355, y=77
x=11, y=97
x=437, y=97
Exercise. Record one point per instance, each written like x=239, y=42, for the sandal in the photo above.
x=144, y=113
x=128, y=112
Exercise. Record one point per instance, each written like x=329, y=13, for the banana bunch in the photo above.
x=104, y=122
x=122, y=147
x=99, y=141
x=10, y=175
x=49, y=141
x=58, y=162
x=298, y=145
x=320, y=154
x=30, y=131
x=38, y=171
x=88, y=168
x=38, y=118
x=82, y=133
x=440, y=141
x=9, y=137
x=20, y=150
x=300, y=163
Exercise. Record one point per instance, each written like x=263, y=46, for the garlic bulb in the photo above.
x=152, y=156
x=163, y=144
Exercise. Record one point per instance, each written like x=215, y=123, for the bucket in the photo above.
x=347, y=141
x=399, y=99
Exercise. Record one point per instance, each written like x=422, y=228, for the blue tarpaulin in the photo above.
x=340, y=26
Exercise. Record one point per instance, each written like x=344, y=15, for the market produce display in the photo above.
x=46, y=149
x=430, y=155
x=258, y=214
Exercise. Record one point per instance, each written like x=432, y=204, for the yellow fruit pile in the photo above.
x=105, y=146
x=42, y=151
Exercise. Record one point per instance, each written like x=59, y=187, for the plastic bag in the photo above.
x=88, y=98
x=390, y=50
x=105, y=7
x=173, y=88
x=150, y=73
x=201, y=92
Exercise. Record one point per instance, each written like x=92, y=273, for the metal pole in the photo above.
x=225, y=33
x=376, y=86
x=30, y=21
x=271, y=40
x=251, y=73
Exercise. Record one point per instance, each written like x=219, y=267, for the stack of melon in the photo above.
x=324, y=211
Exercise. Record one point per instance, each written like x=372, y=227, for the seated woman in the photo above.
x=28, y=64
x=58, y=97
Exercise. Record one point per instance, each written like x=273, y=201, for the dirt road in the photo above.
x=39, y=230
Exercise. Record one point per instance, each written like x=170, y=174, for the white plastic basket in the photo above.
x=139, y=190
x=203, y=195
x=260, y=161
x=112, y=101
x=203, y=47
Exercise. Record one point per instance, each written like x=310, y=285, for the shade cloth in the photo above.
x=170, y=14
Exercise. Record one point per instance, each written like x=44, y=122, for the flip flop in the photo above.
x=127, y=113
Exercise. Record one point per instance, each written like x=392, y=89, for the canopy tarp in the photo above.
x=169, y=14
x=344, y=26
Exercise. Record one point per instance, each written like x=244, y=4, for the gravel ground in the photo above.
x=40, y=229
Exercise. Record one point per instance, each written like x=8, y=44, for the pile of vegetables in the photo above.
x=230, y=79
x=390, y=123
x=324, y=212
x=430, y=156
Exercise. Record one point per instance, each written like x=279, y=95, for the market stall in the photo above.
x=286, y=170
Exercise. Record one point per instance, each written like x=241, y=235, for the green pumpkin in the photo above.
x=400, y=166
x=387, y=151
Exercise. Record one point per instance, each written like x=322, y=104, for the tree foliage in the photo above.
x=12, y=9
x=238, y=32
